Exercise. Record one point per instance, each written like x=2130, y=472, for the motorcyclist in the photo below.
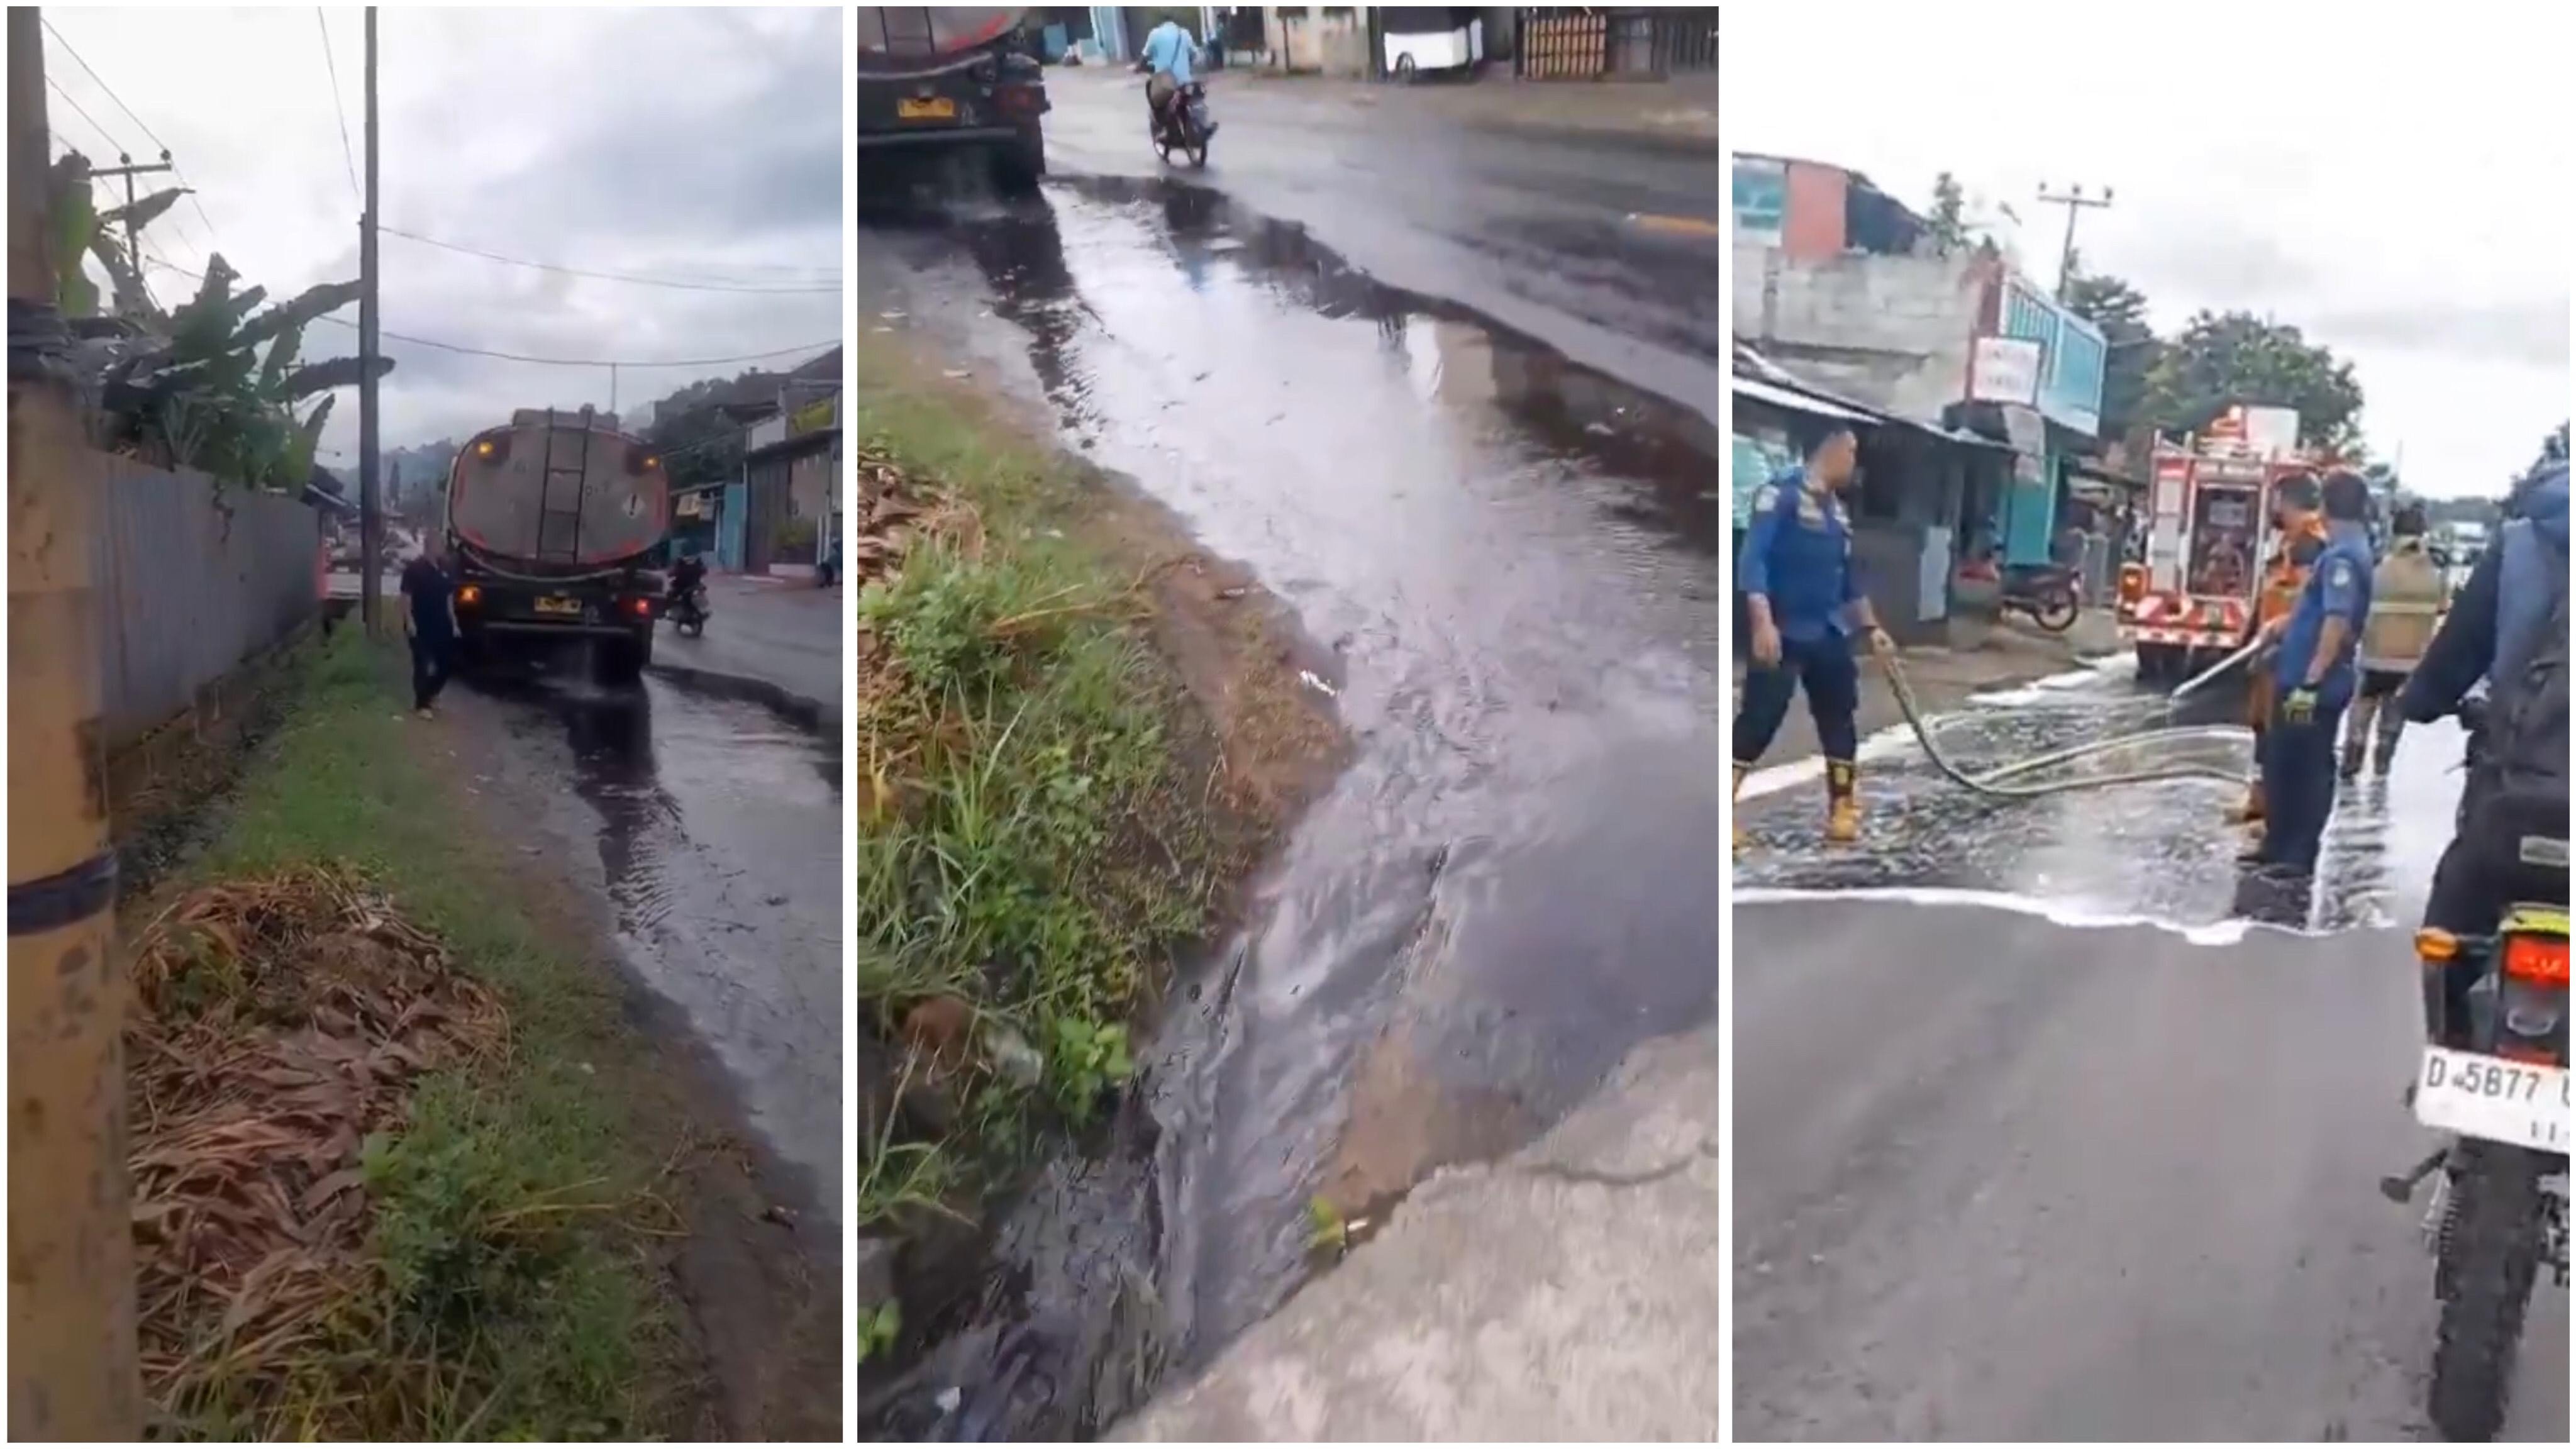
x=688, y=571
x=2497, y=622
x=1168, y=55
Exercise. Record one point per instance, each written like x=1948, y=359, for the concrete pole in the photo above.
x=72, y=1373
x=371, y=523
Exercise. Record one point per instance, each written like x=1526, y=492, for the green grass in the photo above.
x=1033, y=840
x=513, y=1293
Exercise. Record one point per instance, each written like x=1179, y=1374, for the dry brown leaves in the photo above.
x=281, y=1019
x=894, y=509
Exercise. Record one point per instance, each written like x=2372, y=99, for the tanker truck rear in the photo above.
x=554, y=523
x=951, y=78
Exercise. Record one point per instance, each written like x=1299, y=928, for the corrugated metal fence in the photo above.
x=190, y=583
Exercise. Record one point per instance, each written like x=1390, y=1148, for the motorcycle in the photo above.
x=2498, y=1214
x=688, y=613
x=2047, y=593
x=1184, y=125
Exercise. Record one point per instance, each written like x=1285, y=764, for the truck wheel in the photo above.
x=1019, y=164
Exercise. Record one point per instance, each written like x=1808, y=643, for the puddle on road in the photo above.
x=2160, y=854
x=1514, y=560
x=718, y=832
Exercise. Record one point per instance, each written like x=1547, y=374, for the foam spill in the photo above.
x=2231, y=932
x=2037, y=691
x=1776, y=778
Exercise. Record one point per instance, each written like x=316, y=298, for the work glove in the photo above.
x=2299, y=706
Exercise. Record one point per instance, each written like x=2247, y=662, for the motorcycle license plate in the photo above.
x=2520, y=1103
x=570, y=608
x=925, y=108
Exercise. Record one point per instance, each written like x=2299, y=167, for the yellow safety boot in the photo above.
x=1842, y=810
x=2251, y=811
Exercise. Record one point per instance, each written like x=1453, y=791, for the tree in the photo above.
x=1948, y=224
x=2120, y=310
x=2236, y=357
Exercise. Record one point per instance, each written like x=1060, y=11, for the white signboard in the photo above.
x=2272, y=432
x=2004, y=370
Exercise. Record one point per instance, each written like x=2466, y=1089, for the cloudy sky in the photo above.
x=2397, y=189
x=695, y=145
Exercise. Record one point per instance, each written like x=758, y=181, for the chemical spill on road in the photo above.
x=1512, y=562
x=2163, y=854
x=711, y=826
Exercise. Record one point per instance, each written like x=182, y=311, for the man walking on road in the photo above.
x=2314, y=675
x=2406, y=595
x=429, y=624
x=1803, y=599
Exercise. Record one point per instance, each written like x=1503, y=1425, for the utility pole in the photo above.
x=2075, y=202
x=371, y=525
x=72, y=1366
x=126, y=168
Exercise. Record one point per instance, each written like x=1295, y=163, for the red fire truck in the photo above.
x=2208, y=527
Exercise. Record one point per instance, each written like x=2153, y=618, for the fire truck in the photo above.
x=2208, y=525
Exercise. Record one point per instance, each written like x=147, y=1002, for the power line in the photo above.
x=606, y=276
x=93, y=74
x=458, y=347
x=84, y=115
x=339, y=111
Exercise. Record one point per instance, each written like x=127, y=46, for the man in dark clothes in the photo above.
x=429, y=623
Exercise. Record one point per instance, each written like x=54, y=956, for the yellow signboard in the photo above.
x=814, y=417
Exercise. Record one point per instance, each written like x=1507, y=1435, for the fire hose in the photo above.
x=2012, y=781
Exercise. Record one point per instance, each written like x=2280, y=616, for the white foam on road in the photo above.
x=2231, y=932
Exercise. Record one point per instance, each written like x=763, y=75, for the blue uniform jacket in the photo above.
x=2338, y=586
x=2497, y=612
x=1798, y=554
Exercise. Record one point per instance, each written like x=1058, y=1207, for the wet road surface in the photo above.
x=712, y=828
x=2063, y=1131
x=1512, y=561
x=1602, y=247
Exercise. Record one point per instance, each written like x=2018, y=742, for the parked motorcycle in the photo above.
x=2499, y=1208
x=1184, y=125
x=2047, y=593
x=688, y=613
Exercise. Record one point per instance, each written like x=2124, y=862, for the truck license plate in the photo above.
x=925, y=108
x=571, y=607
x=2522, y=1103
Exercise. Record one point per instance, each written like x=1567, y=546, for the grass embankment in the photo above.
x=1047, y=814
x=382, y=1188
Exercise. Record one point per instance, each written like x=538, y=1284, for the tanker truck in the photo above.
x=950, y=78
x=553, y=524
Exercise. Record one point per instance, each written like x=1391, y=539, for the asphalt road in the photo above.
x=2050, y=1125
x=785, y=639
x=1604, y=248
x=1509, y=556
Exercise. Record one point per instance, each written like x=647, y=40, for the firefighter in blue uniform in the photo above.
x=1804, y=599
x=2315, y=670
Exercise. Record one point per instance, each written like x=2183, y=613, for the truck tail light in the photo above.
x=641, y=460
x=640, y=606
x=469, y=595
x=1020, y=100
x=492, y=448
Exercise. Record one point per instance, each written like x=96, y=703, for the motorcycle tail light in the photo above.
x=2539, y=959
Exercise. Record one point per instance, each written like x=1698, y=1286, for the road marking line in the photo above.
x=1676, y=225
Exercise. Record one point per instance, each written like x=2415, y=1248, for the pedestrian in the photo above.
x=1803, y=598
x=2315, y=671
x=2301, y=539
x=2406, y=597
x=429, y=624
